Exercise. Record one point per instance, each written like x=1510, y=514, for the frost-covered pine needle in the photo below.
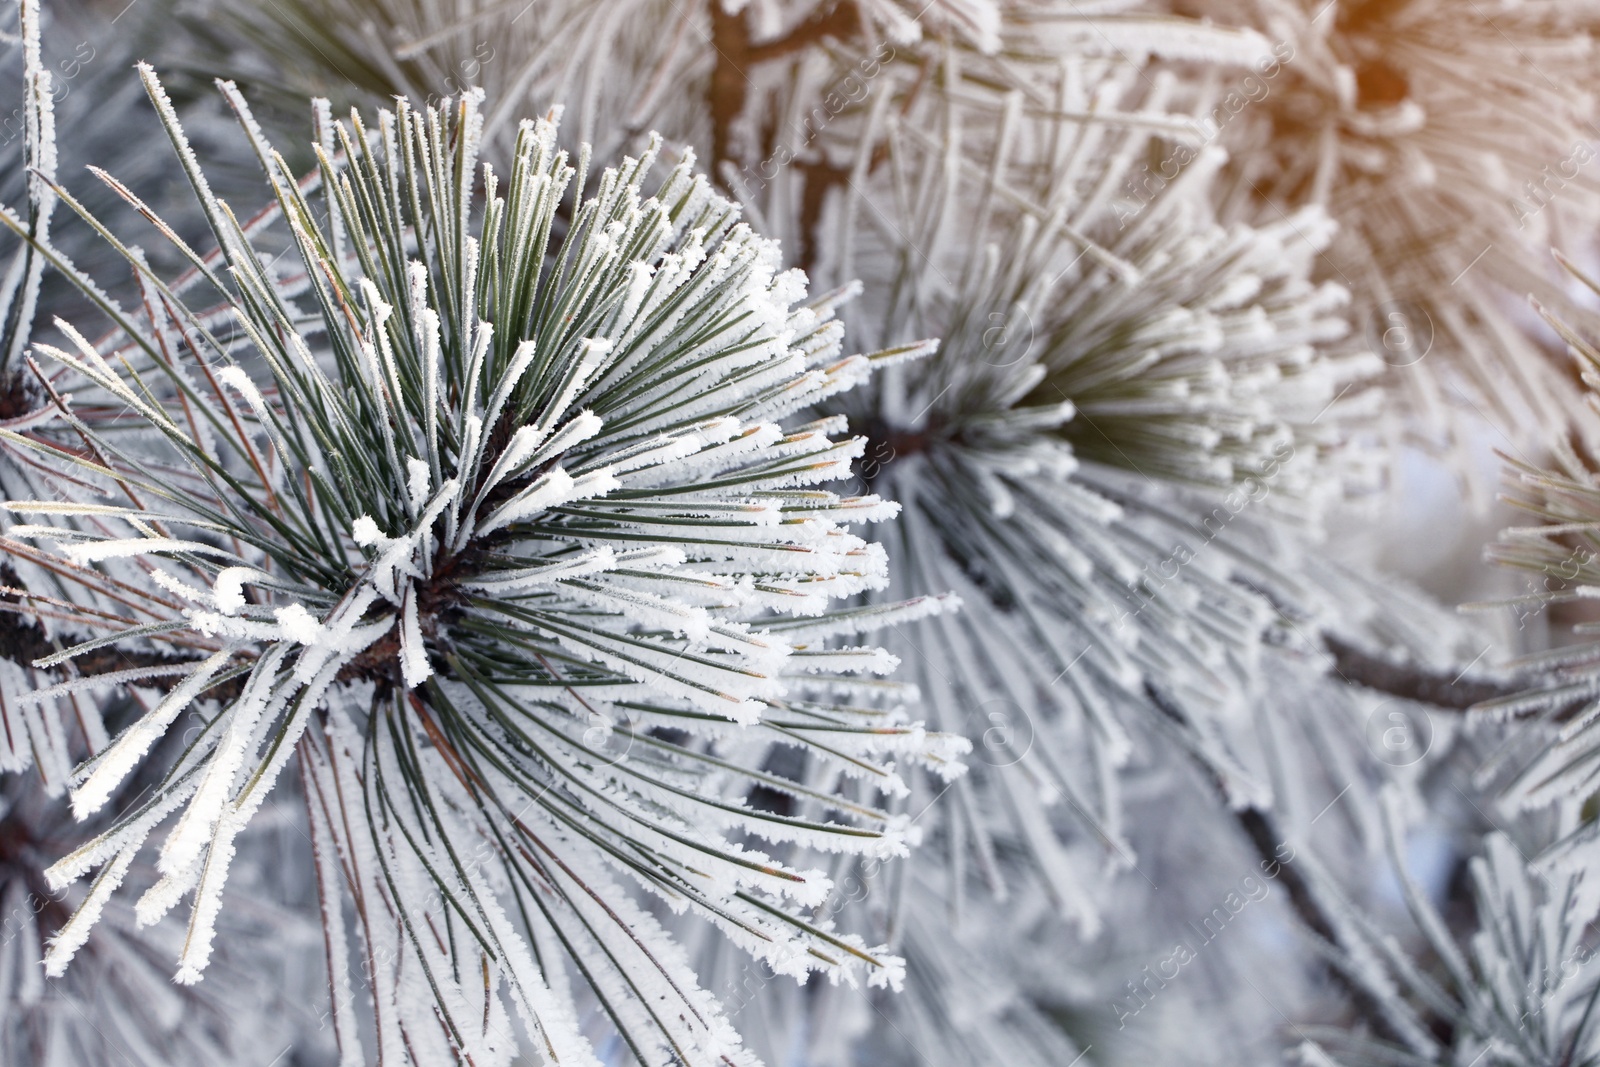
x=1116, y=411
x=496, y=518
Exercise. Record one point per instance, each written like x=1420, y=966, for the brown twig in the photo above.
x=1410, y=680
x=1266, y=840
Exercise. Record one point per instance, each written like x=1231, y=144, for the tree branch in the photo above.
x=1266, y=840
x=1412, y=681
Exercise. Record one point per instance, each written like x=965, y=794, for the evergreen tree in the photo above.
x=458, y=557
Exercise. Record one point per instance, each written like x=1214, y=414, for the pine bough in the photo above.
x=475, y=501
